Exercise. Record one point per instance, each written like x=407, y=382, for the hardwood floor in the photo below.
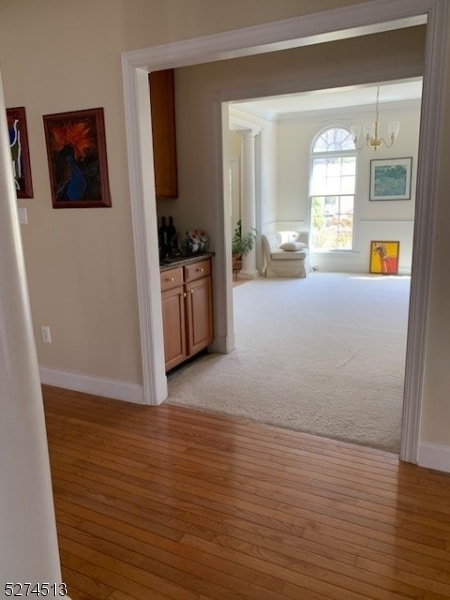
x=169, y=503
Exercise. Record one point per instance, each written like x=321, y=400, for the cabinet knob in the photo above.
x=192, y=291
x=171, y=279
x=201, y=270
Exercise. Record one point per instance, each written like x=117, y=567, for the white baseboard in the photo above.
x=434, y=456
x=109, y=388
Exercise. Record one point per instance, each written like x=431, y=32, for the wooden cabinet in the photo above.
x=173, y=313
x=162, y=99
x=199, y=318
x=187, y=311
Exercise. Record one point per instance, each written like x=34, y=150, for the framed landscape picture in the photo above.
x=390, y=179
x=384, y=257
x=76, y=151
x=20, y=155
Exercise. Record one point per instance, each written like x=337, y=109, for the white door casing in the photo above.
x=363, y=19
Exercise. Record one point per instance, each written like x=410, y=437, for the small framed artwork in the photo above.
x=76, y=151
x=20, y=154
x=384, y=257
x=390, y=179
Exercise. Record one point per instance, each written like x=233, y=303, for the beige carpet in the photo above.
x=324, y=355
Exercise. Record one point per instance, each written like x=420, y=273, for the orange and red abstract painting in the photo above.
x=77, y=161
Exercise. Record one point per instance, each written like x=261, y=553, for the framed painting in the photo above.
x=384, y=257
x=76, y=151
x=390, y=179
x=20, y=154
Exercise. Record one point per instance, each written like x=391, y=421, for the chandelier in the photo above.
x=371, y=137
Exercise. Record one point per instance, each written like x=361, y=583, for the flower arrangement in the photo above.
x=194, y=241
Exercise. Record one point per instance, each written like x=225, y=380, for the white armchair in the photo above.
x=286, y=253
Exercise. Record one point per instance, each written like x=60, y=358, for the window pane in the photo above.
x=332, y=222
x=348, y=165
x=334, y=175
x=334, y=140
x=347, y=185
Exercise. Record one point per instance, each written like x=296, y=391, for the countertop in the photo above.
x=180, y=261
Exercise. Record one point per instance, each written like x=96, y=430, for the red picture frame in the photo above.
x=76, y=151
x=20, y=153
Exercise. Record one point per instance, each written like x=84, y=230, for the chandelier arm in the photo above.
x=371, y=139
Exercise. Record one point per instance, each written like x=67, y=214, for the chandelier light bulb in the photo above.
x=393, y=129
x=371, y=132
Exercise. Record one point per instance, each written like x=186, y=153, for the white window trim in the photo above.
x=328, y=154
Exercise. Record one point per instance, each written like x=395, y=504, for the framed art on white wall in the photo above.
x=390, y=179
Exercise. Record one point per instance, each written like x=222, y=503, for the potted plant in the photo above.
x=242, y=244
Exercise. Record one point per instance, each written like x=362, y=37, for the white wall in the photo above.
x=381, y=220
x=269, y=174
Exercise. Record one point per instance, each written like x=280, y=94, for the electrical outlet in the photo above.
x=46, y=334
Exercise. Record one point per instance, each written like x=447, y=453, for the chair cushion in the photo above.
x=292, y=246
x=289, y=255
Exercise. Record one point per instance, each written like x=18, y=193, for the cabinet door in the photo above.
x=199, y=315
x=162, y=102
x=174, y=326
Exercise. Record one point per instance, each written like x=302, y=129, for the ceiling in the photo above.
x=277, y=108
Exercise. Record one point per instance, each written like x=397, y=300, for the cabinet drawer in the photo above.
x=197, y=270
x=171, y=278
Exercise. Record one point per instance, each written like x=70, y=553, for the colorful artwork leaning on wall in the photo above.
x=384, y=257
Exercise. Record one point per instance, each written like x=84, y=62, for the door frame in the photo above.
x=355, y=20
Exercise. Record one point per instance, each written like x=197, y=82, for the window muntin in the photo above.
x=335, y=139
x=332, y=190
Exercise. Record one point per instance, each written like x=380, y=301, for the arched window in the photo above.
x=332, y=190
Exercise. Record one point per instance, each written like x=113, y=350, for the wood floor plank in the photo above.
x=127, y=576
x=170, y=503
x=307, y=570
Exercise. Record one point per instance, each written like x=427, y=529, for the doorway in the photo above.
x=347, y=22
x=297, y=119
x=286, y=126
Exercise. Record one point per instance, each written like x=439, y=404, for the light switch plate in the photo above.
x=23, y=215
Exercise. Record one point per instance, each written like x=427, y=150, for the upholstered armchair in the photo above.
x=286, y=253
